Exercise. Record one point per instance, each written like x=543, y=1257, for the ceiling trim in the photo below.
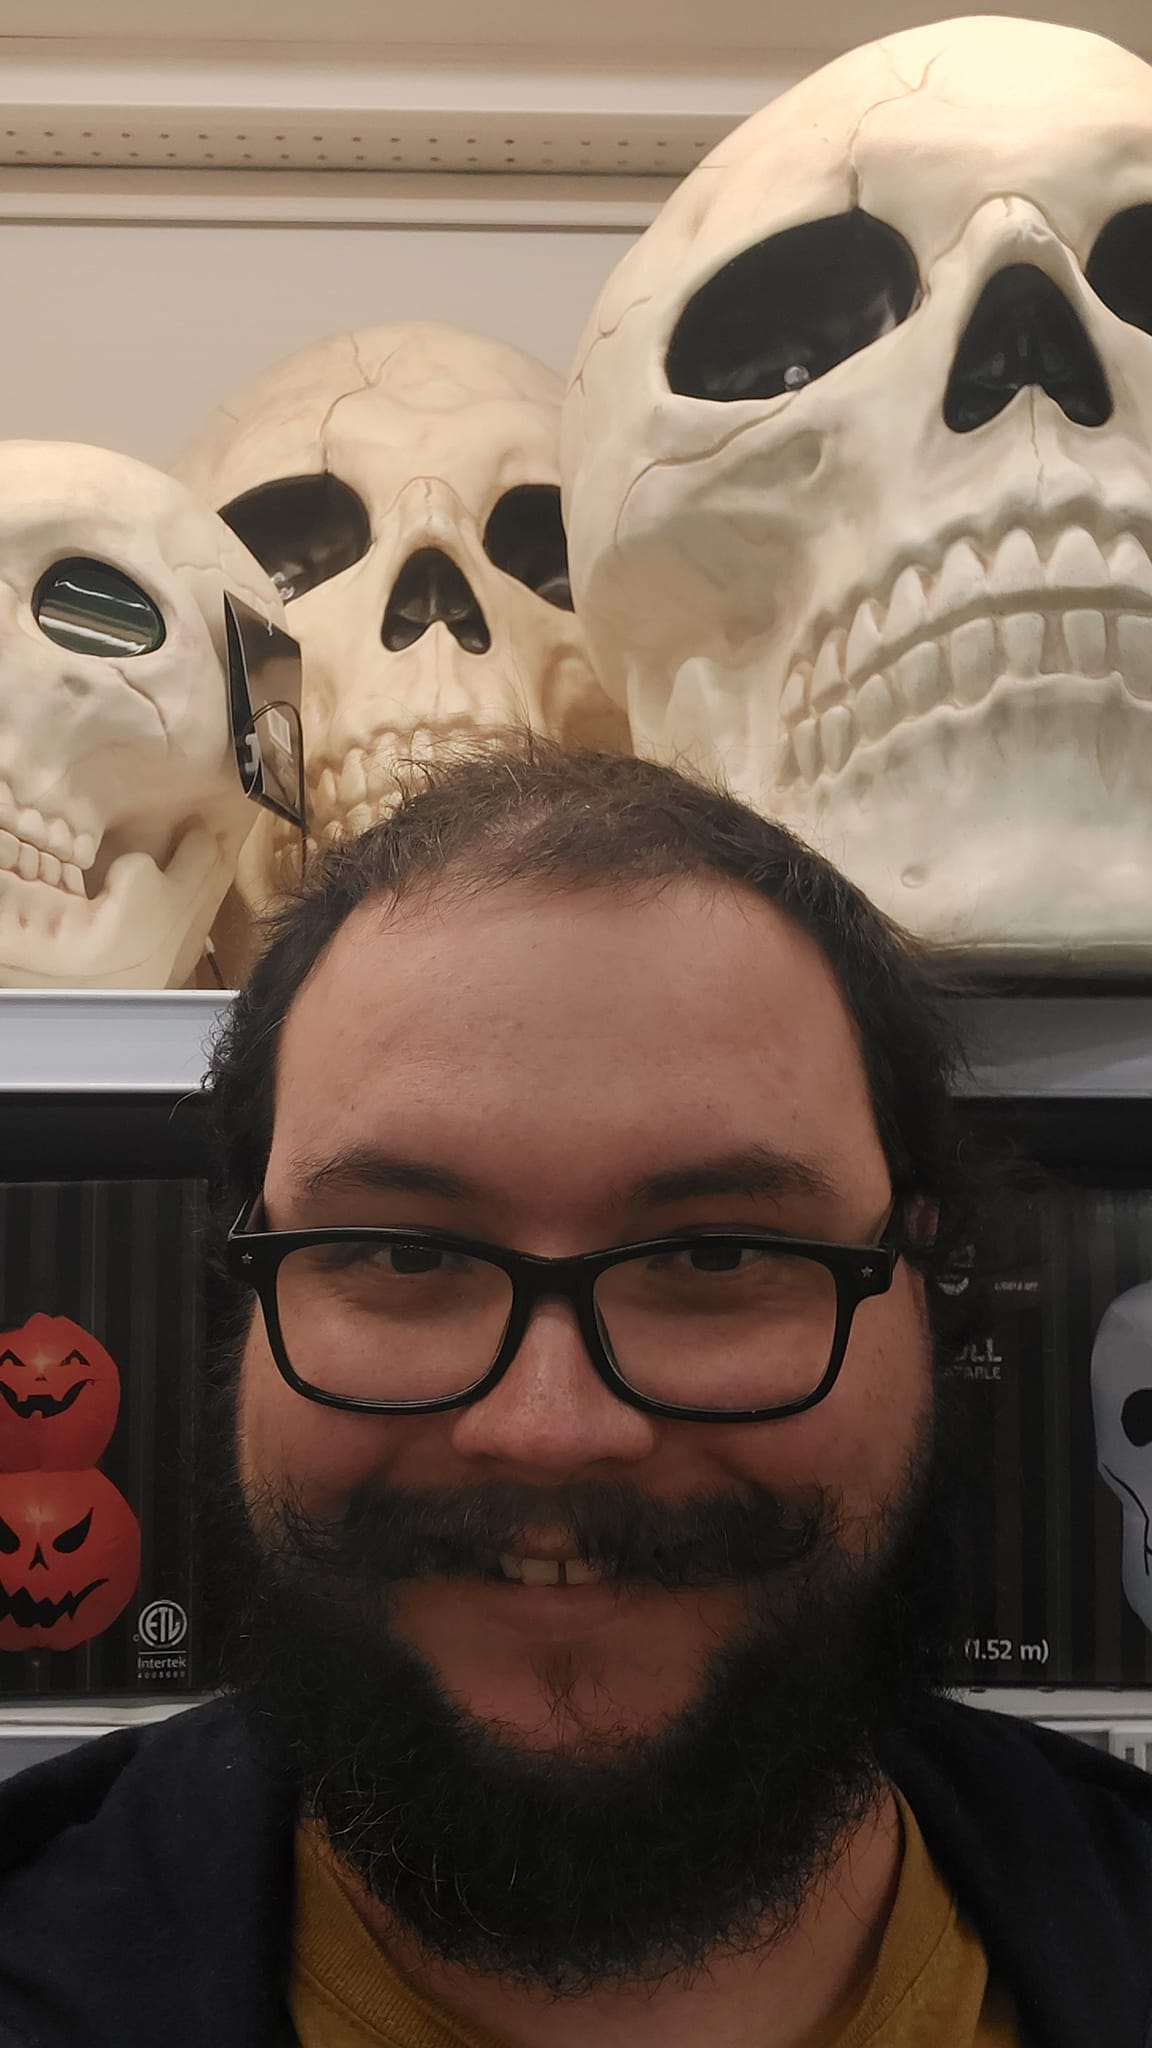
x=104, y=106
x=365, y=200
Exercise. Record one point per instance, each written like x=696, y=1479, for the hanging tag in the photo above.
x=264, y=687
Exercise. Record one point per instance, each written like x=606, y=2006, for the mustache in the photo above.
x=391, y=1534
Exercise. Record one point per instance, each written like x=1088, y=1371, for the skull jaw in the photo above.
x=1015, y=829
x=1137, y=1566
x=146, y=929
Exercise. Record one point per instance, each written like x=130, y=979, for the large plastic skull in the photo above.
x=401, y=484
x=858, y=468
x=122, y=811
x=1122, y=1402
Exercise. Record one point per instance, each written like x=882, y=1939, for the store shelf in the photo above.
x=156, y=1041
x=1058, y=1047
x=105, y=1042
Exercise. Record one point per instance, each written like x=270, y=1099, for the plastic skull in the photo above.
x=122, y=812
x=858, y=470
x=401, y=484
x=1122, y=1402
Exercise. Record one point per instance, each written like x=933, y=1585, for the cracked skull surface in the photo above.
x=401, y=486
x=121, y=807
x=1122, y=1404
x=858, y=472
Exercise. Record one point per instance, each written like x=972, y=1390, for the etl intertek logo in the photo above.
x=162, y=1624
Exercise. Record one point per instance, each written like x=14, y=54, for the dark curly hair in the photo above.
x=528, y=811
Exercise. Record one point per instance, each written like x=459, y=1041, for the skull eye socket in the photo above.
x=72, y=1538
x=525, y=538
x=302, y=530
x=1136, y=1418
x=91, y=608
x=1120, y=267
x=787, y=311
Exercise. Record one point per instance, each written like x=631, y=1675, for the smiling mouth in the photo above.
x=1013, y=611
x=28, y=1612
x=41, y=1404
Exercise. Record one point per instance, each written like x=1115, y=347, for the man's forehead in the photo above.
x=633, y=993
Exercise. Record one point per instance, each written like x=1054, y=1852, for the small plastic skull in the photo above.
x=401, y=485
x=1122, y=1403
x=122, y=812
x=858, y=472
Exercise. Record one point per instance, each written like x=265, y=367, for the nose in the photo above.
x=1025, y=332
x=552, y=1415
x=431, y=589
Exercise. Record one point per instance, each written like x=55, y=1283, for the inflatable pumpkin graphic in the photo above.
x=59, y=1396
x=69, y=1558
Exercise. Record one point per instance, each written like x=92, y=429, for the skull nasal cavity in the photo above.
x=431, y=590
x=1025, y=332
x=1136, y=1418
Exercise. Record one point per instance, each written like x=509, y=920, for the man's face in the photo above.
x=586, y=1069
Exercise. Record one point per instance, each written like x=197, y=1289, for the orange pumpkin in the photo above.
x=59, y=1396
x=69, y=1558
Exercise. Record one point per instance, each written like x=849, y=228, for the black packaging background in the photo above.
x=1048, y=1604
x=123, y=1258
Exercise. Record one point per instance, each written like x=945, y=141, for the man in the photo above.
x=585, y=1520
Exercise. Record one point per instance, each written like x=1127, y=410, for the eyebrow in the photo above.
x=750, y=1170
x=365, y=1166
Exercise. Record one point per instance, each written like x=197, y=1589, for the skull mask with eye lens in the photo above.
x=401, y=486
x=122, y=812
x=858, y=464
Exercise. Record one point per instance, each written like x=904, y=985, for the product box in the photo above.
x=1056, y=1374
x=102, y=1320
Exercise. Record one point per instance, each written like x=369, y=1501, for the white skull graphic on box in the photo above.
x=121, y=809
x=1122, y=1402
x=401, y=484
x=858, y=468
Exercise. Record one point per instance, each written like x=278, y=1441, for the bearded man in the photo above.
x=585, y=1498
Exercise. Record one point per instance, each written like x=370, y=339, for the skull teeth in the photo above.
x=1015, y=612
x=43, y=850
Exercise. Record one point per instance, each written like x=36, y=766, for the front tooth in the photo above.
x=962, y=580
x=30, y=826
x=973, y=660
x=864, y=642
x=875, y=708
x=354, y=780
x=1017, y=569
x=1022, y=636
x=836, y=736
x=9, y=849
x=72, y=879
x=828, y=674
x=511, y=1566
x=917, y=676
x=908, y=608
x=806, y=740
x=577, y=1573
x=1129, y=567
x=1133, y=641
x=794, y=701
x=540, y=1571
x=50, y=869
x=84, y=852
x=28, y=863
x=1077, y=563
x=1087, y=638
x=359, y=818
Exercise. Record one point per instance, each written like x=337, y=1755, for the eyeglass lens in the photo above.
x=722, y=1324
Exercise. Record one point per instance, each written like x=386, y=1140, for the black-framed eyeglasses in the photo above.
x=702, y=1326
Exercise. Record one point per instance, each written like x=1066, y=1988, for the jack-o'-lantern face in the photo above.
x=59, y=1397
x=69, y=1558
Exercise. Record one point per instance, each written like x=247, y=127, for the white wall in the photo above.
x=125, y=334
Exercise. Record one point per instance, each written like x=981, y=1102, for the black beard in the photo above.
x=569, y=1871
